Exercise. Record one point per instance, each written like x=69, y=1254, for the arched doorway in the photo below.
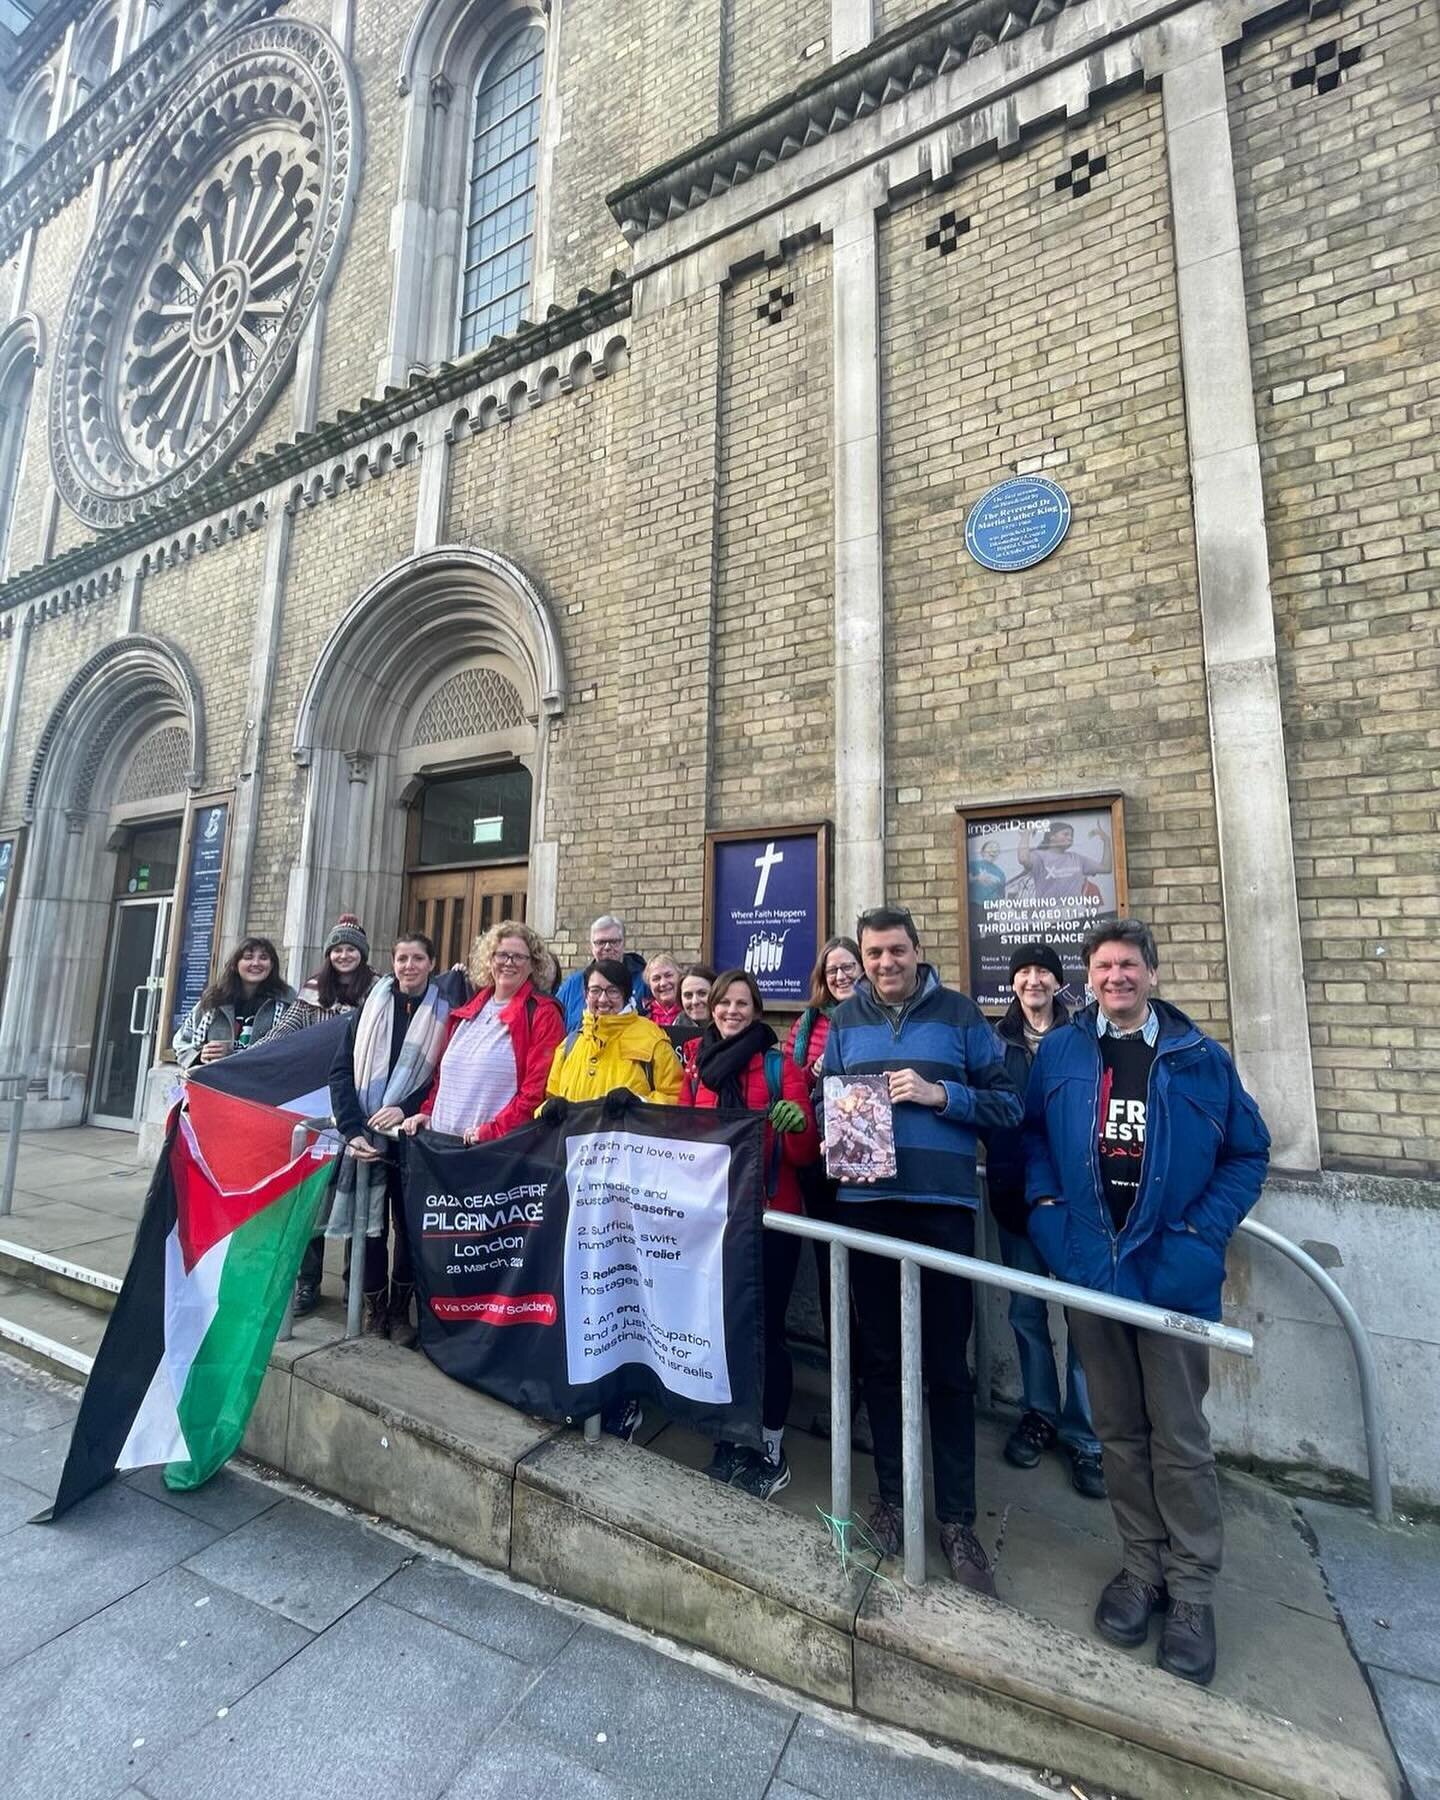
x=98, y=879
x=424, y=730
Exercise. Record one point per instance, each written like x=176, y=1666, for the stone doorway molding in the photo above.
x=432, y=616
x=124, y=692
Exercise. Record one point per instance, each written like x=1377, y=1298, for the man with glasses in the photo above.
x=947, y=1082
x=607, y=944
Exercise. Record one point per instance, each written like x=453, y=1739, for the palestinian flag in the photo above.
x=226, y=1221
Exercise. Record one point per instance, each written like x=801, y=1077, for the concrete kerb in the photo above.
x=657, y=1544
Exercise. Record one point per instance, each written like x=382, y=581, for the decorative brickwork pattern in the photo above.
x=1050, y=344
x=774, y=743
x=1340, y=226
x=158, y=766
x=468, y=705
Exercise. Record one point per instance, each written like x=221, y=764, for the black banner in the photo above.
x=607, y=1250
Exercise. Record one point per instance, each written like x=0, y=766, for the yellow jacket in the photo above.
x=615, y=1050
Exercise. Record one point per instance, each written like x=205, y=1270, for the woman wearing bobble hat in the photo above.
x=341, y=982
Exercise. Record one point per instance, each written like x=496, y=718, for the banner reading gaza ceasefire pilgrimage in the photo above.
x=608, y=1249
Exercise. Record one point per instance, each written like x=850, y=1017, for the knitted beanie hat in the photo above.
x=348, y=930
x=1037, y=956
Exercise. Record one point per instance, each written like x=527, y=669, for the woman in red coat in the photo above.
x=738, y=1064
x=498, y=1049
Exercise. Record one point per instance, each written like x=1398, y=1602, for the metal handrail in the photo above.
x=1377, y=1453
x=354, y=1290
x=16, y=1082
x=842, y=1239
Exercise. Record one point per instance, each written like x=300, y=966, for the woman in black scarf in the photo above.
x=739, y=1065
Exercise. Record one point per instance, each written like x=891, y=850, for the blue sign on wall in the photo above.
x=1017, y=523
x=765, y=908
x=202, y=906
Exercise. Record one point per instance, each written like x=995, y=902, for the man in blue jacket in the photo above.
x=947, y=1081
x=1143, y=1153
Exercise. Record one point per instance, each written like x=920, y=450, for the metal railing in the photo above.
x=12, y=1088
x=1377, y=1454
x=354, y=1291
x=912, y=1258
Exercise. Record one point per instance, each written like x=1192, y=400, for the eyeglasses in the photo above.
x=603, y=993
x=606, y=943
x=510, y=959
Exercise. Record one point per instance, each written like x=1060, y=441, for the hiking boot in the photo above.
x=1029, y=1441
x=726, y=1463
x=887, y=1527
x=967, y=1559
x=622, y=1419
x=1187, y=1642
x=307, y=1298
x=401, y=1331
x=1125, y=1608
x=1087, y=1473
x=759, y=1476
x=375, y=1314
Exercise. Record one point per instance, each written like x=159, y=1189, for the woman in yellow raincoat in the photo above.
x=613, y=1048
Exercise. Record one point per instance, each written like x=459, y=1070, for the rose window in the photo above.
x=193, y=293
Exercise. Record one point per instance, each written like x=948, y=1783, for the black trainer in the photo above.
x=307, y=1297
x=1029, y=1441
x=1187, y=1642
x=759, y=1476
x=887, y=1526
x=726, y=1463
x=1125, y=1608
x=1087, y=1472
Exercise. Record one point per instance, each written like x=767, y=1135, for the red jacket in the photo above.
x=814, y=1050
x=796, y=1147
x=536, y=1025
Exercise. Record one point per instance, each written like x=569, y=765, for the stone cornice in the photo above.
x=905, y=59
x=92, y=568
x=116, y=114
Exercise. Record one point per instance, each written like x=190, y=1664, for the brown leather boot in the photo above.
x=402, y=1332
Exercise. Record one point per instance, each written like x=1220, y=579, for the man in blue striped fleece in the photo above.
x=948, y=1082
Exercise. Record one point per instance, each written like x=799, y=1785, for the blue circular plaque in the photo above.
x=1017, y=523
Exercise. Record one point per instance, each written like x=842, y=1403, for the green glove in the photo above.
x=787, y=1115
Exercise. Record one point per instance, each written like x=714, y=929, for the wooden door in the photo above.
x=453, y=906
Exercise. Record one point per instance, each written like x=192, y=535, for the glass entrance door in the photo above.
x=130, y=1011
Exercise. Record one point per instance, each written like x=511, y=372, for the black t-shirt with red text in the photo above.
x=1124, y=1082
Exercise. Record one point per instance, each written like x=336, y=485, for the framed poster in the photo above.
x=1037, y=871
x=767, y=906
x=192, y=953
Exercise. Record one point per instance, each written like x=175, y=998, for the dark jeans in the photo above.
x=947, y=1310
x=817, y=1191
x=782, y=1258
x=377, y=1254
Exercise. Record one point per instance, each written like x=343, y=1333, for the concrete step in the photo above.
x=644, y=1535
x=54, y=1333
x=58, y=1273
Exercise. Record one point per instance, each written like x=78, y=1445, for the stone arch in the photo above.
x=425, y=622
x=128, y=690
x=22, y=352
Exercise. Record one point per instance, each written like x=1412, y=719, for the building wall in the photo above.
x=58, y=647
x=765, y=51
x=1340, y=223
x=773, y=652
x=1047, y=339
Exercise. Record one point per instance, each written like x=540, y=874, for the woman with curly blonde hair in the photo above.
x=492, y=1071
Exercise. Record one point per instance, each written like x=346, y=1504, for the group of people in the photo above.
x=1122, y=1152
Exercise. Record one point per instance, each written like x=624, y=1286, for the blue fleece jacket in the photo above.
x=570, y=995
x=1206, y=1153
x=944, y=1037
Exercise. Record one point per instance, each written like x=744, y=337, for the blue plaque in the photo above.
x=202, y=906
x=1017, y=523
x=766, y=911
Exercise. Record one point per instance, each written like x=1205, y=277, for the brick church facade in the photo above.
x=569, y=413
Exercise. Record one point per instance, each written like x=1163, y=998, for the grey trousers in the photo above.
x=1147, y=1397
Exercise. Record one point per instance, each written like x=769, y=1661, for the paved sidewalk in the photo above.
x=241, y=1641
x=1386, y=1583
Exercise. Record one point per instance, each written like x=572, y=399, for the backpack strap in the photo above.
x=774, y=1068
